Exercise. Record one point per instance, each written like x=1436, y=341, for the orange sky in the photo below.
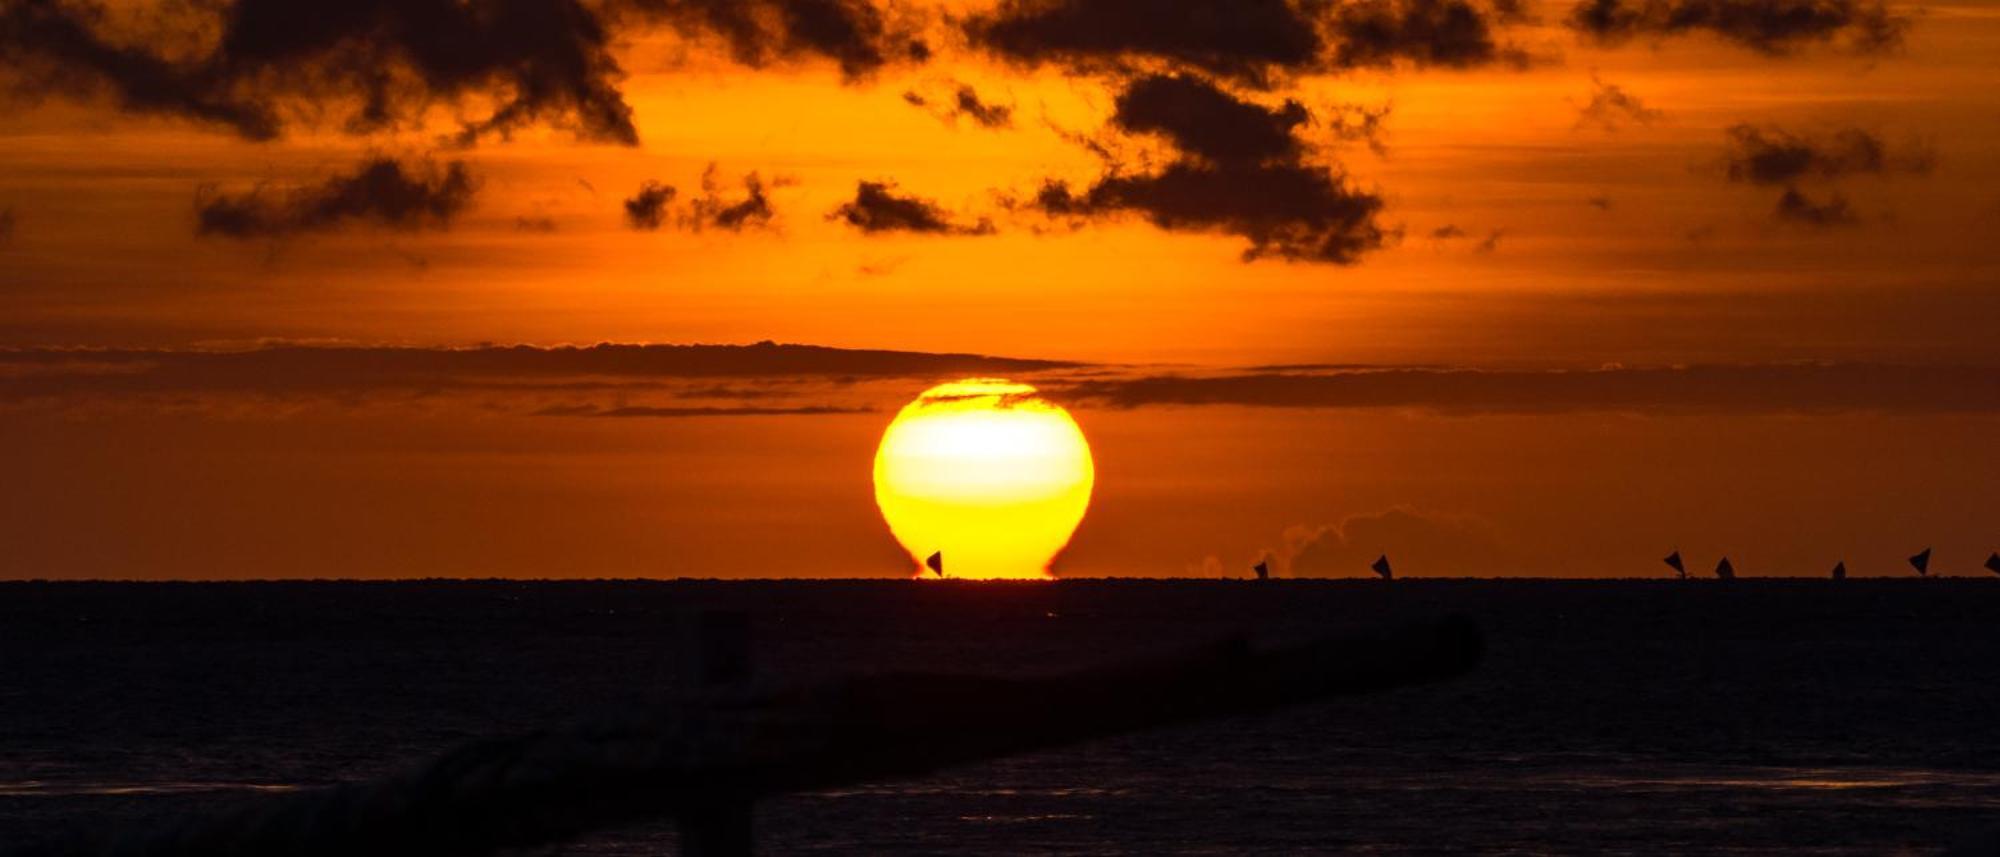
x=1526, y=228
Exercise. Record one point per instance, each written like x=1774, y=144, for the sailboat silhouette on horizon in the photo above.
x=1674, y=562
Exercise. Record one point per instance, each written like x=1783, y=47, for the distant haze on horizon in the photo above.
x=1502, y=289
x=753, y=462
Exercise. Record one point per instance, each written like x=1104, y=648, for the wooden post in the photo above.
x=715, y=653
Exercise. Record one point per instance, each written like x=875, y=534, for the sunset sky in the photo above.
x=1542, y=289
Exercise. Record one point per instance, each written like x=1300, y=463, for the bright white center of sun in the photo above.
x=987, y=474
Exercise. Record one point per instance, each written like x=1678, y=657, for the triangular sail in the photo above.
x=1840, y=570
x=1673, y=561
x=935, y=562
x=1381, y=567
x=1993, y=563
x=1922, y=562
x=1724, y=570
x=1263, y=570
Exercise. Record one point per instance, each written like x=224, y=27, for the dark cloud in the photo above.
x=966, y=102
x=1610, y=107
x=1287, y=211
x=1453, y=232
x=1202, y=120
x=1252, y=42
x=1241, y=39
x=1796, y=207
x=712, y=210
x=1425, y=33
x=1772, y=156
x=1242, y=172
x=545, y=61
x=380, y=64
x=963, y=102
x=876, y=207
x=1417, y=543
x=1782, y=388
x=55, y=48
x=652, y=206
x=1356, y=123
x=382, y=192
x=853, y=33
x=647, y=209
x=1773, y=27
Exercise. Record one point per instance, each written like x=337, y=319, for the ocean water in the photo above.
x=1630, y=717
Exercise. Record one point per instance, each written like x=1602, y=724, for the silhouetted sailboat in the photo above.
x=1673, y=561
x=1381, y=566
x=1922, y=563
x=1993, y=563
x=1725, y=571
x=1840, y=570
x=935, y=562
x=1263, y=570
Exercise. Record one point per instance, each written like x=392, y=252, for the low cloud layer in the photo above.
x=1772, y=27
x=690, y=412
x=689, y=371
x=381, y=192
x=1782, y=388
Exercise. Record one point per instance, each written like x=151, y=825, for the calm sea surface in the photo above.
x=1769, y=717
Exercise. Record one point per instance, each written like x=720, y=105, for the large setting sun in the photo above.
x=987, y=474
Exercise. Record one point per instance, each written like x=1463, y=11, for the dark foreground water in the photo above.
x=1800, y=717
